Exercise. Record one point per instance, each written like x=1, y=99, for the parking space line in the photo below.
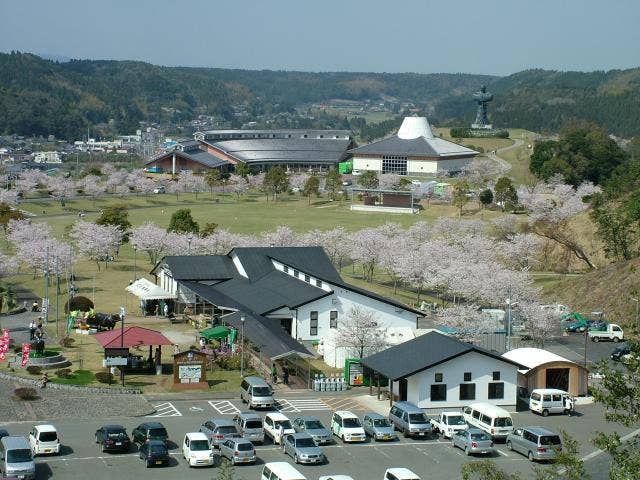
x=165, y=409
x=502, y=453
x=283, y=405
x=223, y=407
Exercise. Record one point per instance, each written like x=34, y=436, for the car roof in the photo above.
x=473, y=430
x=152, y=425
x=45, y=428
x=308, y=418
x=408, y=407
x=402, y=473
x=113, y=427
x=300, y=435
x=277, y=416
x=196, y=436
x=238, y=440
x=221, y=422
x=249, y=415
x=14, y=442
x=256, y=381
x=549, y=390
x=286, y=470
x=374, y=416
x=156, y=443
x=490, y=409
x=346, y=413
x=539, y=430
x=336, y=477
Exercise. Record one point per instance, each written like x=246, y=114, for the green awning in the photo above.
x=215, y=333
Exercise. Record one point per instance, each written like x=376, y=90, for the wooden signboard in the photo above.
x=189, y=370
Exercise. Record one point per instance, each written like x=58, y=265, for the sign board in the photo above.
x=356, y=374
x=116, y=352
x=114, y=361
x=123, y=312
x=189, y=373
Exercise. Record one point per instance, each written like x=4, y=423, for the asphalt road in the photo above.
x=432, y=458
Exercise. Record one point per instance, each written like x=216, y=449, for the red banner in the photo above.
x=4, y=344
x=26, y=348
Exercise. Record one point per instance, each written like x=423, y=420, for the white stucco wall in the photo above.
x=360, y=163
x=421, y=167
x=342, y=301
x=481, y=368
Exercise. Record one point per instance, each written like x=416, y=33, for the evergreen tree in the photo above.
x=182, y=222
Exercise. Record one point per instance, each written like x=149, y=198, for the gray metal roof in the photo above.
x=423, y=352
x=420, y=146
x=199, y=156
x=198, y=267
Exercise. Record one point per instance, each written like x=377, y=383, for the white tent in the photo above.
x=145, y=290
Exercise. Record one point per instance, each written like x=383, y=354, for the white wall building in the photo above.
x=47, y=157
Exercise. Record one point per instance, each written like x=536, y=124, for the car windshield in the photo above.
x=244, y=447
x=503, y=422
x=199, y=445
x=381, y=422
x=286, y=424
x=351, y=422
x=305, y=442
x=417, y=418
x=158, y=433
x=19, y=455
x=314, y=425
x=158, y=450
x=116, y=433
x=480, y=436
x=261, y=391
x=550, y=440
x=455, y=420
x=226, y=429
x=48, y=436
x=253, y=424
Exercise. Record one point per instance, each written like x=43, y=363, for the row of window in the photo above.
x=439, y=377
x=313, y=321
x=467, y=391
x=307, y=278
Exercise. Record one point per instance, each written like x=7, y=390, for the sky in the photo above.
x=496, y=37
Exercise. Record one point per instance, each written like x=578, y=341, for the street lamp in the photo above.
x=189, y=239
x=509, y=305
x=242, y=346
x=135, y=264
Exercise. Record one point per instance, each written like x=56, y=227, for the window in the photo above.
x=496, y=390
x=439, y=392
x=476, y=415
x=467, y=376
x=319, y=283
x=313, y=324
x=557, y=397
x=394, y=164
x=286, y=269
x=333, y=319
x=307, y=278
x=439, y=377
x=496, y=376
x=467, y=391
x=296, y=273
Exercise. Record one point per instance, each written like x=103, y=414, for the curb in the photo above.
x=57, y=386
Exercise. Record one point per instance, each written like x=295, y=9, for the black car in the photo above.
x=154, y=453
x=113, y=438
x=620, y=351
x=149, y=431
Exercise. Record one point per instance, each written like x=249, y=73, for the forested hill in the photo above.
x=38, y=96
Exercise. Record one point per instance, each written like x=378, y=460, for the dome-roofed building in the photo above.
x=414, y=150
x=547, y=370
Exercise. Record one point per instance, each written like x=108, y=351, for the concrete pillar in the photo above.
x=390, y=393
x=378, y=384
x=173, y=164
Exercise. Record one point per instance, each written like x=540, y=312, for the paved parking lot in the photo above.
x=432, y=458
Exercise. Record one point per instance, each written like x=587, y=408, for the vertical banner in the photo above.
x=4, y=344
x=26, y=348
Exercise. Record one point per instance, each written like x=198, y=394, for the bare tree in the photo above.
x=360, y=334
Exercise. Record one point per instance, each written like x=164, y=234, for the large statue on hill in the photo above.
x=482, y=98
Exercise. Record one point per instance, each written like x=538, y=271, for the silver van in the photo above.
x=16, y=459
x=256, y=393
x=409, y=419
x=249, y=424
x=536, y=443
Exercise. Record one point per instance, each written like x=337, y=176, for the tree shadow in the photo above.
x=213, y=383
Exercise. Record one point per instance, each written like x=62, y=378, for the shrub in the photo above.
x=34, y=369
x=25, y=393
x=104, y=377
x=78, y=303
x=229, y=362
x=64, y=373
x=66, y=342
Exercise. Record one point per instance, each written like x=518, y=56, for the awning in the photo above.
x=215, y=333
x=145, y=290
x=131, y=337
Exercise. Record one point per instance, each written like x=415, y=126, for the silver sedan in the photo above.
x=473, y=440
x=302, y=448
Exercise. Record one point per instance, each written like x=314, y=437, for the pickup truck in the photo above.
x=611, y=332
x=448, y=423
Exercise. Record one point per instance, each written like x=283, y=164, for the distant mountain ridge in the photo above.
x=40, y=97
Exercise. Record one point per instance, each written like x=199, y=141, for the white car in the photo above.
x=336, y=477
x=160, y=189
x=347, y=426
x=197, y=451
x=400, y=473
x=44, y=439
x=276, y=426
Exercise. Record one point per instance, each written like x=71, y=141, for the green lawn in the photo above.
x=79, y=377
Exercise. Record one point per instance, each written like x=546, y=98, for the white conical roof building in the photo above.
x=415, y=127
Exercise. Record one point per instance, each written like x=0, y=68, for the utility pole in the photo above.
x=509, y=321
x=242, y=346
x=45, y=300
x=57, y=300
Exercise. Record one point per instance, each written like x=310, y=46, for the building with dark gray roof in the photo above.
x=292, y=292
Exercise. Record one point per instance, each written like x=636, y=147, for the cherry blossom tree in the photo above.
x=62, y=188
x=220, y=242
x=8, y=265
x=335, y=243
x=388, y=181
x=297, y=181
x=96, y=242
x=188, y=182
x=520, y=250
x=283, y=236
x=360, y=334
x=30, y=180
x=539, y=323
x=151, y=239
x=366, y=249
x=117, y=180
x=92, y=186
x=465, y=322
x=239, y=185
x=10, y=197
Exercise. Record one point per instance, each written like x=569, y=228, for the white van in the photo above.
x=197, y=451
x=496, y=421
x=548, y=400
x=280, y=471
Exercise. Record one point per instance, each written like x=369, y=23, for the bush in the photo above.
x=25, y=393
x=34, y=369
x=229, y=362
x=104, y=377
x=66, y=342
x=78, y=303
x=64, y=373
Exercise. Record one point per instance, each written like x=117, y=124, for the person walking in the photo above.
x=568, y=405
x=274, y=374
x=166, y=309
x=32, y=330
x=285, y=375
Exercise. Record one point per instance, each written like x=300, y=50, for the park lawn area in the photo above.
x=78, y=377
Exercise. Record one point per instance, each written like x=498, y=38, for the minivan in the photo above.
x=280, y=471
x=256, y=392
x=347, y=426
x=536, y=443
x=548, y=400
x=16, y=459
x=250, y=426
x=409, y=419
x=197, y=451
x=44, y=439
x=494, y=420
